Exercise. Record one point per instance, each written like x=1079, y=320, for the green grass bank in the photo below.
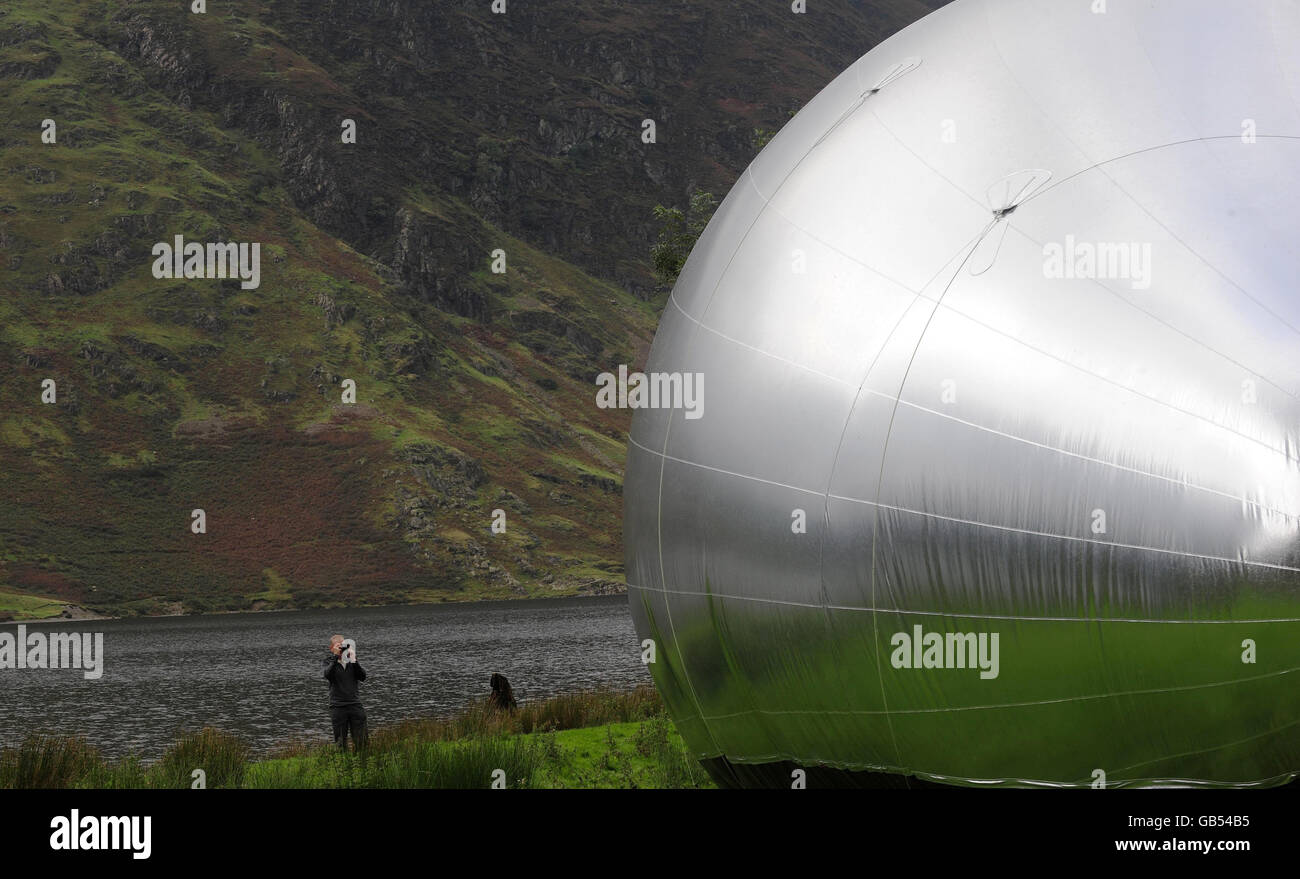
x=588, y=739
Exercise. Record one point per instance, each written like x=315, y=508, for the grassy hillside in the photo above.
x=474, y=390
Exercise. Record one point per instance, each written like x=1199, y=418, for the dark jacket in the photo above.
x=343, y=681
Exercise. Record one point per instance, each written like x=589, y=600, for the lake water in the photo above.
x=259, y=674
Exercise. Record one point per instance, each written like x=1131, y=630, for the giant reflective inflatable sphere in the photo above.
x=996, y=480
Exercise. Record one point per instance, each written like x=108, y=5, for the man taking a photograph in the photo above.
x=344, y=674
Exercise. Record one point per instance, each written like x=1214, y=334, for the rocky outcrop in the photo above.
x=532, y=119
x=451, y=475
x=433, y=260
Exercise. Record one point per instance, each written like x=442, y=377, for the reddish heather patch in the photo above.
x=41, y=581
x=211, y=428
x=737, y=106
x=298, y=504
x=342, y=414
x=486, y=336
x=45, y=355
x=356, y=412
x=338, y=262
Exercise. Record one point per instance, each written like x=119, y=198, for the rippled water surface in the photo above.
x=259, y=674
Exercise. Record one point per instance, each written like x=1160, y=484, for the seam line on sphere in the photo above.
x=884, y=458
x=1154, y=691
x=972, y=616
x=959, y=780
x=972, y=522
x=659, y=527
x=1212, y=748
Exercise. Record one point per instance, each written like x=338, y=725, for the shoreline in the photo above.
x=81, y=614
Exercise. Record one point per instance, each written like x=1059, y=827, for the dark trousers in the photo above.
x=349, y=718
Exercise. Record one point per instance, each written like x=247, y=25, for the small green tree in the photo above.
x=678, y=232
x=762, y=137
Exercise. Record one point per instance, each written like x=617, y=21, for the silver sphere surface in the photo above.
x=996, y=478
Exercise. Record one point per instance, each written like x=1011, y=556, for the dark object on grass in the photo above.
x=503, y=697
